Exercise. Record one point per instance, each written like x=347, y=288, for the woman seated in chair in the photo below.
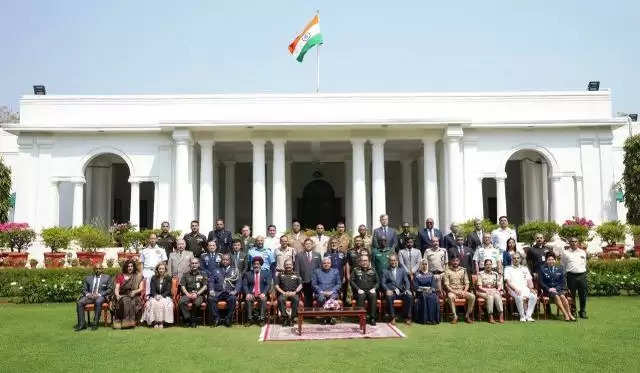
x=427, y=308
x=128, y=302
x=159, y=307
x=489, y=288
x=552, y=282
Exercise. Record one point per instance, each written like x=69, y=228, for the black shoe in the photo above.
x=583, y=315
x=78, y=328
x=227, y=322
x=332, y=321
x=372, y=322
x=94, y=327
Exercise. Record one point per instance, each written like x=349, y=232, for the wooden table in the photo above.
x=358, y=312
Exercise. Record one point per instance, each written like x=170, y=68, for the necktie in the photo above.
x=430, y=234
x=309, y=256
x=256, y=284
x=96, y=281
x=461, y=251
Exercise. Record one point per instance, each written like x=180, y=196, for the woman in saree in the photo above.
x=127, y=307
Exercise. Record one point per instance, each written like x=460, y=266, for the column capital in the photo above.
x=229, y=163
x=134, y=180
x=556, y=177
x=429, y=140
x=377, y=141
x=577, y=177
x=500, y=178
x=207, y=143
x=280, y=142
x=358, y=141
x=258, y=142
x=453, y=133
x=77, y=180
x=182, y=137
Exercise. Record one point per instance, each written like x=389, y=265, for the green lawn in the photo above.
x=40, y=338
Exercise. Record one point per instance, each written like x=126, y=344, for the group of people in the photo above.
x=322, y=271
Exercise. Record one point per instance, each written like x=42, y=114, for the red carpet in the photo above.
x=319, y=332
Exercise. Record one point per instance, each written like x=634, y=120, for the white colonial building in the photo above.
x=267, y=158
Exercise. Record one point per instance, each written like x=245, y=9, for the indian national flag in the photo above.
x=309, y=37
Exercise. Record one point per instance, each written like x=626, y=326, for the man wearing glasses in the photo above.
x=574, y=261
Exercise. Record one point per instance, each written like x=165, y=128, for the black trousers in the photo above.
x=190, y=315
x=97, y=302
x=262, y=307
x=282, y=305
x=372, y=299
x=307, y=290
x=407, y=304
x=577, y=282
x=212, y=305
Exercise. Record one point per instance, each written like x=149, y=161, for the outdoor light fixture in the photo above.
x=39, y=90
x=593, y=86
x=634, y=117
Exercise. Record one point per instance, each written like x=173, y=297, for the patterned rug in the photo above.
x=314, y=331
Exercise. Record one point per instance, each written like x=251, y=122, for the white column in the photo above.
x=609, y=204
x=89, y=194
x=287, y=177
x=455, y=170
x=472, y=189
x=279, y=188
x=359, y=193
x=421, y=194
x=259, y=207
x=501, y=196
x=54, y=206
x=215, y=211
x=545, y=191
x=348, y=195
x=78, y=197
x=25, y=181
x=556, y=198
x=230, y=195
x=407, y=191
x=378, y=193
x=206, y=185
x=134, y=204
x=579, y=193
x=430, y=181
x=183, y=190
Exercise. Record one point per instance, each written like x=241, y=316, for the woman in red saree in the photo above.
x=127, y=306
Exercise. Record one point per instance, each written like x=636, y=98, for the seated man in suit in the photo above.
x=306, y=262
x=364, y=284
x=426, y=236
x=223, y=285
x=384, y=232
x=256, y=285
x=97, y=288
x=179, y=260
x=288, y=285
x=395, y=283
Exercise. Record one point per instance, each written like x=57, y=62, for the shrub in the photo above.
x=16, y=236
x=577, y=227
x=118, y=231
x=631, y=179
x=134, y=240
x=635, y=230
x=468, y=226
x=57, y=238
x=5, y=191
x=91, y=238
x=612, y=232
x=528, y=231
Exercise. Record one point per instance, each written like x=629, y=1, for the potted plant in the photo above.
x=17, y=236
x=110, y=262
x=33, y=263
x=527, y=232
x=635, y=231
x=613, y=233
x=90, y=240
x=56, y=238
x=132, y=242
x=578, y=228
x=118, y=230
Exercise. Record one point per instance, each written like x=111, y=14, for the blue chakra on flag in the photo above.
x=306, y=36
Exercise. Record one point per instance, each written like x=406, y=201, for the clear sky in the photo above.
x=128, y=47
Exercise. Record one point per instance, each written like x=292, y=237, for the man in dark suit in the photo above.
x=474, y=239
x=238, y=257
x=450, y=238
x=404, y=236
x=306, y=262
x=222, y=237
x=426, y=235
x=223, y=285
x=385, y=231
x=465, y=254
x=395, y=283
x=97, y=288
x=256, y=285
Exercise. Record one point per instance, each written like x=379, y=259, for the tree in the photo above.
x=5, y=191
x=631, y=178
x=7, y=116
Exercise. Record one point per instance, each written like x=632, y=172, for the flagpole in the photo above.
x=318, y=60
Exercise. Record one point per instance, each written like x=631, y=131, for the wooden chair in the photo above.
x=271, y=303
x=175, y=293
x=88, y=308
x=545, y=301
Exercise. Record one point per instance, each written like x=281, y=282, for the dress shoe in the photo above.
x=78, y=328
x=219, y=322
x=372, y=322
x=501, y=318
x=491, y=320
x=392, y=321
x=94, y=327
x=468, y=319
x=227, y=322
x=332, y=321
x=583, y=315
x=455, y=320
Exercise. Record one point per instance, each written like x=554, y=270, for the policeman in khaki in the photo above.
x=456, y=284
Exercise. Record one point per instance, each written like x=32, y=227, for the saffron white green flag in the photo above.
x=309, y=37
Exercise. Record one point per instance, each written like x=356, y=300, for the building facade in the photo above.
x=263, y=159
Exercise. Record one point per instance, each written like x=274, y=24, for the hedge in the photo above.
x=24, y=285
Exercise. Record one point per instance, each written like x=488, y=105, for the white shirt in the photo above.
x=518, y=277
x=272, y=243
x=574, y=261
x=482, y=253
x=151, y=257
x=499, y=238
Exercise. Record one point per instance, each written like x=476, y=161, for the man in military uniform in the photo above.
x=337, y=257
x=196, y=241
x=296, y=237
x=223, y=285
x=246, y=239
x=238, y=257
x=222, y=237
x=288, y=285
x=404, y=236
x=366, y=237
x=364, y=284
x=352, y=262
x=256, y=285
x=166, y=240
x=456, y=284
x=211, y=260
x=344, y=241
x=437, y=258
x=193, y=285
x=381, y=255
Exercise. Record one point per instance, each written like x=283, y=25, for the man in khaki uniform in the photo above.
x=344, y=241
x=366, y=237
x=456, y=284
x=296, y=237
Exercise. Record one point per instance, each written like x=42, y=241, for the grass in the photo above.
x=40, y=338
